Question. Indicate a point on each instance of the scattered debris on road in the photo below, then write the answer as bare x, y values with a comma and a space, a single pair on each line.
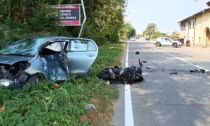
173, 73
148, 68
198, 71
137, 52
194, 71
208, 72
202, 71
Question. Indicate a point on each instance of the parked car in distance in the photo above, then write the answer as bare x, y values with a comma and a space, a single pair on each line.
165, 41
51, 58
147, 38
133, 39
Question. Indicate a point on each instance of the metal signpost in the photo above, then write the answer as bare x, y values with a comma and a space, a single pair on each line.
83, 8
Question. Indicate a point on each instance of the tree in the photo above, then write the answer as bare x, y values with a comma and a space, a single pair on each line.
150, 30
127, 31
157, 34
19, 18
174, 35
105, 20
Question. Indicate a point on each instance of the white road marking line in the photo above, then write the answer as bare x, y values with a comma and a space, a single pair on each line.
128, 102
182, 60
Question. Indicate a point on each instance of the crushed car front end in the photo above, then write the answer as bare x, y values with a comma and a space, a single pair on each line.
11, 68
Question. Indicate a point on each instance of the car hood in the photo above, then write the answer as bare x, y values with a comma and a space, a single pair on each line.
9, 59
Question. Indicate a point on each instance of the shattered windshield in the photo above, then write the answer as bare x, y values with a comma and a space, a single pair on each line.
27, 47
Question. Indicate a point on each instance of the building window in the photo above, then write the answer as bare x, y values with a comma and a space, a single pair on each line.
182, 26
193, 24
189, 25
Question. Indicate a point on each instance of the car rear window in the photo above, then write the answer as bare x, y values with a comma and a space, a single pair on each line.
81, 46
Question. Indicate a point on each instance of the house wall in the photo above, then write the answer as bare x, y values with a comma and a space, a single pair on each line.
187, 32
201, 30
197, 29
191, 31
182, 30
181, 34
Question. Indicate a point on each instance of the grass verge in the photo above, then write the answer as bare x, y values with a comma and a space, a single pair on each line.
63, 104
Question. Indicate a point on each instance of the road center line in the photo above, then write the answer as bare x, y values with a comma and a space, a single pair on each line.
128, 101
182, 60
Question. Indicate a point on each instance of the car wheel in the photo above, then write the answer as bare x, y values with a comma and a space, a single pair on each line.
175, 45
35, 78
158, 44
22, 79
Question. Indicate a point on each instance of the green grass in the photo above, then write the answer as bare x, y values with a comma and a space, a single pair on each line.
47, 104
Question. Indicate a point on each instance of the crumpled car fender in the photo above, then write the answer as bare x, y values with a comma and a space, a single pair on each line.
37, 67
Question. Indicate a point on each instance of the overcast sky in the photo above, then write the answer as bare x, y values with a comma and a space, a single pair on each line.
164, 13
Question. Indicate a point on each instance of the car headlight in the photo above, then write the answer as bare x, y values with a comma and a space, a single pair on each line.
5, 82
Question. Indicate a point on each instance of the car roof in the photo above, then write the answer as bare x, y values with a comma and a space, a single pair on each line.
164, 37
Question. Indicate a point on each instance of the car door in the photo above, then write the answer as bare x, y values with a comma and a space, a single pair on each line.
81, 54
168, 41
54, 60
163, 41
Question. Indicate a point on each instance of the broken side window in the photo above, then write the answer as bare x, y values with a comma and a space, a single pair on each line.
52, 48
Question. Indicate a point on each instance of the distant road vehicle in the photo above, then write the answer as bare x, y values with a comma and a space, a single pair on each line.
133, 39
147, 38
164, 41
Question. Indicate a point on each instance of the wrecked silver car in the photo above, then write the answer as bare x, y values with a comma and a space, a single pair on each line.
50, 58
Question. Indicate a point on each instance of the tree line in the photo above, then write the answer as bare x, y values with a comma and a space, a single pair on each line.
26, 18
152, 32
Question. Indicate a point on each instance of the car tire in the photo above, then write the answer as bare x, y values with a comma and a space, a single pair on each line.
158, 44
35, 78
22, 79
175, 45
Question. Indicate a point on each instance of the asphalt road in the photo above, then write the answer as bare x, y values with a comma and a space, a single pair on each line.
173, 92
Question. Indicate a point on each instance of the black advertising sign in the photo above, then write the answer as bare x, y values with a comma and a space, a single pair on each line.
69, 15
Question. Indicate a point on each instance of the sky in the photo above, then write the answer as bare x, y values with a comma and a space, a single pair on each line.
164, 13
